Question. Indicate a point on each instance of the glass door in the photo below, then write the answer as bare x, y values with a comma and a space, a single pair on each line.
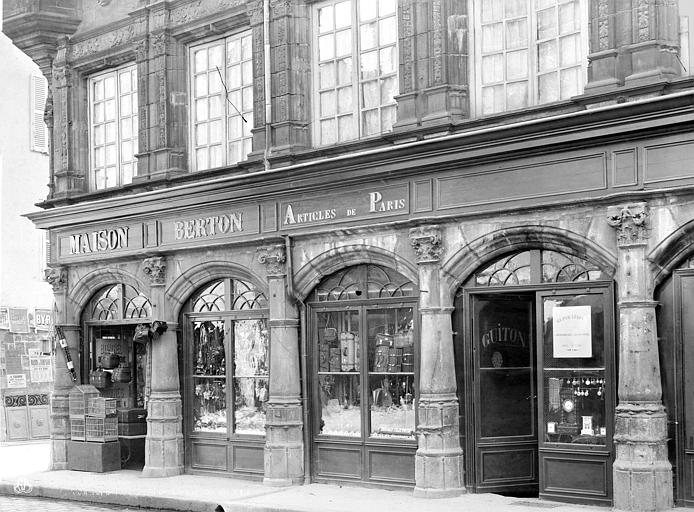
504, 393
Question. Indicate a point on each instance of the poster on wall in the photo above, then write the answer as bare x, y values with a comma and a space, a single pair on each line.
16, 381
43, 319
4, 318
41, 369
19, 320
572, 336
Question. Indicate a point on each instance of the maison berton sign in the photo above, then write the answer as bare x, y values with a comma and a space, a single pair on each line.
221, 223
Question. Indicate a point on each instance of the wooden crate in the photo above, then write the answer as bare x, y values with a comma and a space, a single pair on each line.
101, 430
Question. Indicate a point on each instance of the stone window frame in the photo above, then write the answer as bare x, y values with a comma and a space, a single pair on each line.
133, 117
532, 73
231, 108
81, 69
357, 108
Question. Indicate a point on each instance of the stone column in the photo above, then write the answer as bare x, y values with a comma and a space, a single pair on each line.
284, 446
642, 473
62, 380
163, 101
439, 463
164, 442
434, 61
655, 42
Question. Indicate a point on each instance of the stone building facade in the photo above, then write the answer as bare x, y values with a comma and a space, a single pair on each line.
439, 270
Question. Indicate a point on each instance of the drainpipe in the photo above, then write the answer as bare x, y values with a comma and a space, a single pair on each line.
267, 83
304, 357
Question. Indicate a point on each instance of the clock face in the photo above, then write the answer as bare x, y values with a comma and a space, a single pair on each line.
568, 405
497, 359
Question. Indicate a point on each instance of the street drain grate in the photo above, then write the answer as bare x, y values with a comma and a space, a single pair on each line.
535, 504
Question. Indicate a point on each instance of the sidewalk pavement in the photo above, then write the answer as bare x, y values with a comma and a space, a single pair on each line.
196, 493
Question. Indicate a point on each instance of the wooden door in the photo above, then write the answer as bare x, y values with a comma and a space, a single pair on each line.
505, 411
685, 448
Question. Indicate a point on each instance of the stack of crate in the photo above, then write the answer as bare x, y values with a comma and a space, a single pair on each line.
101, 423
94, 431
78, 402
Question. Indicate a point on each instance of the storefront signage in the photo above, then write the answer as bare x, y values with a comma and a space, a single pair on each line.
19, 320
43, 318
381, 202
4, 318
572, 332
102, 240
210, 225
16, 381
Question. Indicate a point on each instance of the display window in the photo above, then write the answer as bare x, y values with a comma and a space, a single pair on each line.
228, 359
365, 343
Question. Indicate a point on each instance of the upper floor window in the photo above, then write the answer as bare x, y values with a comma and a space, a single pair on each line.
222, 106
528, 52
39, 131
113, 127
356, 81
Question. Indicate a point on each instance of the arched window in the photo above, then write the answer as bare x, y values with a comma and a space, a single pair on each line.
364, 282
538, 266
227, 346
119, 302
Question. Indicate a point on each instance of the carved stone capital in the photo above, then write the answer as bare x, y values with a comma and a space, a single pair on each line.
426, 241
155, 268
254, 8
273, 257
56, 277
631, 223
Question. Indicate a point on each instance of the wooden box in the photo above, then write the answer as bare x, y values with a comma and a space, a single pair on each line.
94, 457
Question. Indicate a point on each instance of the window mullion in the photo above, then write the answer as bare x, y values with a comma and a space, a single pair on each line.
225, 102
119, 136
533, 48
356, 66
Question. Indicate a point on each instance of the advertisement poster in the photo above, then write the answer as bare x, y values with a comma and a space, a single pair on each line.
572, 332
43, 319
16, 381
41, 369
4, 318
19, 320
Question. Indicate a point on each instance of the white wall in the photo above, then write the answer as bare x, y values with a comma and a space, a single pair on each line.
23, 179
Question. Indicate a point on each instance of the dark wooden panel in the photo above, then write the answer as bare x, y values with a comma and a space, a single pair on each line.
391, 466
339, 461
668, 161
565, 475
38, 422
209, 455
423, 196
529, 181
624, 168
501, 465
248, 458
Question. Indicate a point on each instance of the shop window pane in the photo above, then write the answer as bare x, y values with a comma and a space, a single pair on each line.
98, 90
215, 58
344, 71
327, 75
326, 47
492, 69
328, 103
343, 43
492, 37
200, 58
492, 10
109, 86
386, 7
388, 60
340, 402
547, 57
343, 14
546, 23
370, 94
328, 131
387, 31
347, 128
569, 18
325, 19
369, 65
517, 65
515, 8
125, 131
233, 51
344, 101
234, 74
569, 50
209, 405
125, 106
201, 159
215, 83
570, 82
246, 47
249, 407
201, 110
575, 406
392, 411
371, 123
507, 408
517, 34
98, 113
368, 9
215, 156
110, 131
209, 356
493, 99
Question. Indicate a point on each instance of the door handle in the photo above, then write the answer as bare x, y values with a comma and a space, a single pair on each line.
531, 396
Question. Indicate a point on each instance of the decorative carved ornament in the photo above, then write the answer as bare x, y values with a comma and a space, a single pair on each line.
631, 223
426, 241
155, 268
273, 257
603, 25
642, 17
56, 277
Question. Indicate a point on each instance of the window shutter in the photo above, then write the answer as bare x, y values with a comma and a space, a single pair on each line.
39, 131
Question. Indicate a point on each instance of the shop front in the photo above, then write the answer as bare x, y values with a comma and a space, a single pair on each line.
535, 372
364, 328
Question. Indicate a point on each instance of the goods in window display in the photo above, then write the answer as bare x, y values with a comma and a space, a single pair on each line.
324, 357
408, 359
392, 409
335, 360
249, 420
108, 361
575, 409
394, 360
348, 351
100, 378
403, 340
122, 373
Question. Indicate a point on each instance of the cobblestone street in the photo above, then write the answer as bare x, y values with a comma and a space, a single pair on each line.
24, 504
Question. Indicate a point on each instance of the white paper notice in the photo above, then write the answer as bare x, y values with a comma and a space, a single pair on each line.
572, 331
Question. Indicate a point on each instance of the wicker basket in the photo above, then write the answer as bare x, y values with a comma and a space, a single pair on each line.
101, 430
101, 407
77, 429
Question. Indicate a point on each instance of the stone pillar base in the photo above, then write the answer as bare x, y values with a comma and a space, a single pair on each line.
284, 444
439, 462
642, 473
164, 442
60, 428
